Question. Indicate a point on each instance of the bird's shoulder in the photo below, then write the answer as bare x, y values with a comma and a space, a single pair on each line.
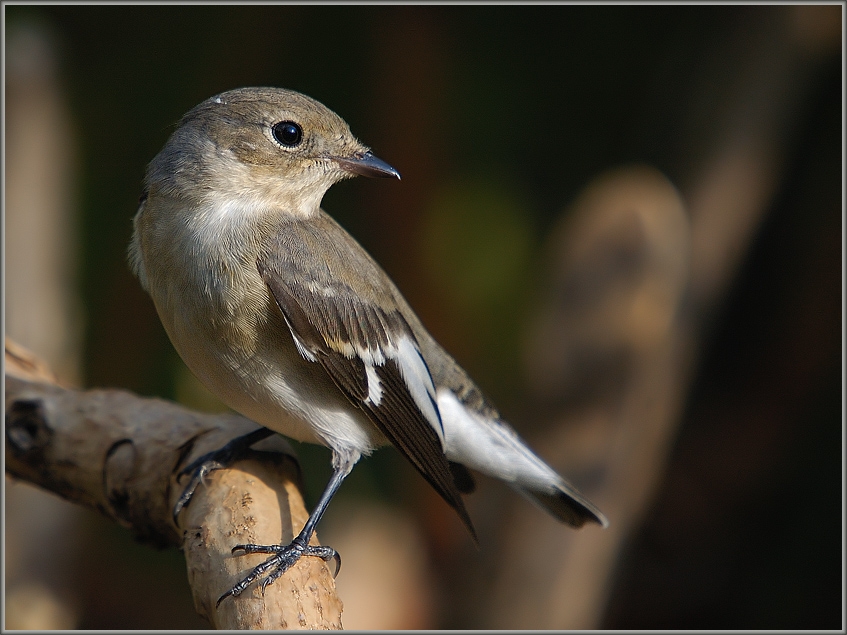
317, 248
346, 297
326, 268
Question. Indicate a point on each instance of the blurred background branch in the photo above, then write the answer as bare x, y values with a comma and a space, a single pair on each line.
624, 221
637, 280
43, 311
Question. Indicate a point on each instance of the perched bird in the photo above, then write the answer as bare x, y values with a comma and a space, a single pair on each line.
286, 318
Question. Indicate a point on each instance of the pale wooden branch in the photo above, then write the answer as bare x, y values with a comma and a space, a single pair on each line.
118, 453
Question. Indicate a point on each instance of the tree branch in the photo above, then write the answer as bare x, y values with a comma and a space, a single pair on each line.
118, 453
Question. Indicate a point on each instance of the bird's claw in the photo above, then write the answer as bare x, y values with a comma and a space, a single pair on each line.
198, 469
283, 558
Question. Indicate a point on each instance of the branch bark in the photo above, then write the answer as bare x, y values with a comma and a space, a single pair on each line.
118, 453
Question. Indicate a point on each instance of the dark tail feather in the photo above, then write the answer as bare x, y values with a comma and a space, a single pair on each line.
567, 506
462, 478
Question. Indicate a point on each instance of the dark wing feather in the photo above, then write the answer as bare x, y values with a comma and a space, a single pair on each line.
337, 321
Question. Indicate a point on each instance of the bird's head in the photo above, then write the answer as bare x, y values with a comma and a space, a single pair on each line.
261, 146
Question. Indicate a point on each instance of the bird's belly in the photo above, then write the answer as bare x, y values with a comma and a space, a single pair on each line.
250, 362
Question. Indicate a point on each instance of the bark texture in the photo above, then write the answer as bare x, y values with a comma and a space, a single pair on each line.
120, 454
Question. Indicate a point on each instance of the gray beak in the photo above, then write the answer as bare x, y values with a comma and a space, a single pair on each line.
366, 164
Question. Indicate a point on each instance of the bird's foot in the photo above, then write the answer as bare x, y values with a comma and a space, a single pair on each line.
284, 557
223, 457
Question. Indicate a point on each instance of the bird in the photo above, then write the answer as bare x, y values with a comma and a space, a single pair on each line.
282, 315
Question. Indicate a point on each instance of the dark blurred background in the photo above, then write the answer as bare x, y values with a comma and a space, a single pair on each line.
624, 221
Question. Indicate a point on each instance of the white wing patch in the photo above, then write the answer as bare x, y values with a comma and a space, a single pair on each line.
374, 385
414, 372
419, 382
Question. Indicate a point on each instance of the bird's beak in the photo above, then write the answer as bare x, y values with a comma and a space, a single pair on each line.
366, 164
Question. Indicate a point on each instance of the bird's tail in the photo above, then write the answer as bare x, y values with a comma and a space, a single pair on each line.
492, 447
565, 503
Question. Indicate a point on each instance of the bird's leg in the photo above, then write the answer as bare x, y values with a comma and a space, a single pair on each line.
284, 556
236, 449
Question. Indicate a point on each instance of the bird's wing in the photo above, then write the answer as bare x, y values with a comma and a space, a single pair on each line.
339, 306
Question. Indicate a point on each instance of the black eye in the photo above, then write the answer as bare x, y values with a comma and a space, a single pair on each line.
288, 133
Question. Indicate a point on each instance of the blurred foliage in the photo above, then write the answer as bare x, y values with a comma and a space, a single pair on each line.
478, 243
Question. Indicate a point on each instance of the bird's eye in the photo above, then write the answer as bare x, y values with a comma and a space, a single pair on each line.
288, 133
